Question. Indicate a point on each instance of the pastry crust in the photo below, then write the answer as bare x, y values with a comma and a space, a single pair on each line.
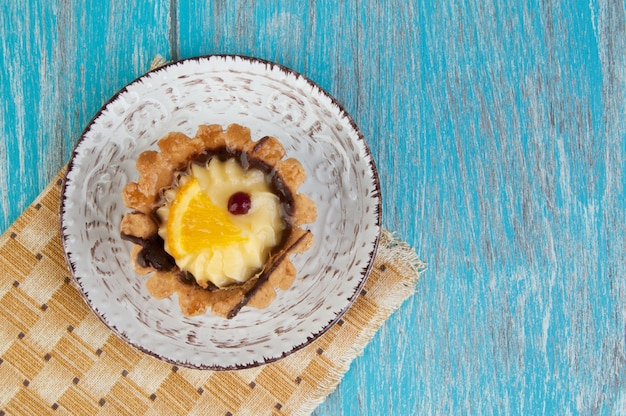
158, 171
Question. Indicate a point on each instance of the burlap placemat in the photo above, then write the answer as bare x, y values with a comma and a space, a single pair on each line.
57, 357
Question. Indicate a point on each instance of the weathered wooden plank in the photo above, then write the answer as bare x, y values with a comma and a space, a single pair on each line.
500, 137
514, 207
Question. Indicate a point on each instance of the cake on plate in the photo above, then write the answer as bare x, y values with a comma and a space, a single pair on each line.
215, 219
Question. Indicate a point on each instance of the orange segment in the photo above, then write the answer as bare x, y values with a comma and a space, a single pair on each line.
195, 223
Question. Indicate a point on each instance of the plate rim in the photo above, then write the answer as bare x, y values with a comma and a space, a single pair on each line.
364, 274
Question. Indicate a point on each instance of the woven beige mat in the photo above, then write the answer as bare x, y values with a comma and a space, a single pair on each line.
57, 357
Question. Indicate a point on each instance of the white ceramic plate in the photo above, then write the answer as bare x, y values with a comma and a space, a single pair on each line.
270, 100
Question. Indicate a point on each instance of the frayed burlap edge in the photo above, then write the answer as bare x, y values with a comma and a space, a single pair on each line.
404, 259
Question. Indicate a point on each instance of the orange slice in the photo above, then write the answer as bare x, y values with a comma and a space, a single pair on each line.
195, 223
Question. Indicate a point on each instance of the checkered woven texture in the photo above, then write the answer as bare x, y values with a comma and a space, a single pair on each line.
57, 357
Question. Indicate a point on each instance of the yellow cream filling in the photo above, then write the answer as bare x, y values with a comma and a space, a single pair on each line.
208, 241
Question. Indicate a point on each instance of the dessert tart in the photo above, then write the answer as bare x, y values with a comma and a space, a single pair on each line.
215, 218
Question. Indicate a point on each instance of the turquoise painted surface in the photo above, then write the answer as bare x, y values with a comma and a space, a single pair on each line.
499, 131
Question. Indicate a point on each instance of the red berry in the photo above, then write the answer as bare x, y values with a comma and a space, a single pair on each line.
239, 203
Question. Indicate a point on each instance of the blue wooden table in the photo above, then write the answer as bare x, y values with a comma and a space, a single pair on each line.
499, 133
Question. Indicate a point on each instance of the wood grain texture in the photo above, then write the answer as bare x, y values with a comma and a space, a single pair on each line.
61, 61
499, 131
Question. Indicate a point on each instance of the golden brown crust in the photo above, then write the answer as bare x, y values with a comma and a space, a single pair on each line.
292, 173
135, 199
284, 275
157, 169
305, 211
264, 295
138, 224
268, 150
176, 148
